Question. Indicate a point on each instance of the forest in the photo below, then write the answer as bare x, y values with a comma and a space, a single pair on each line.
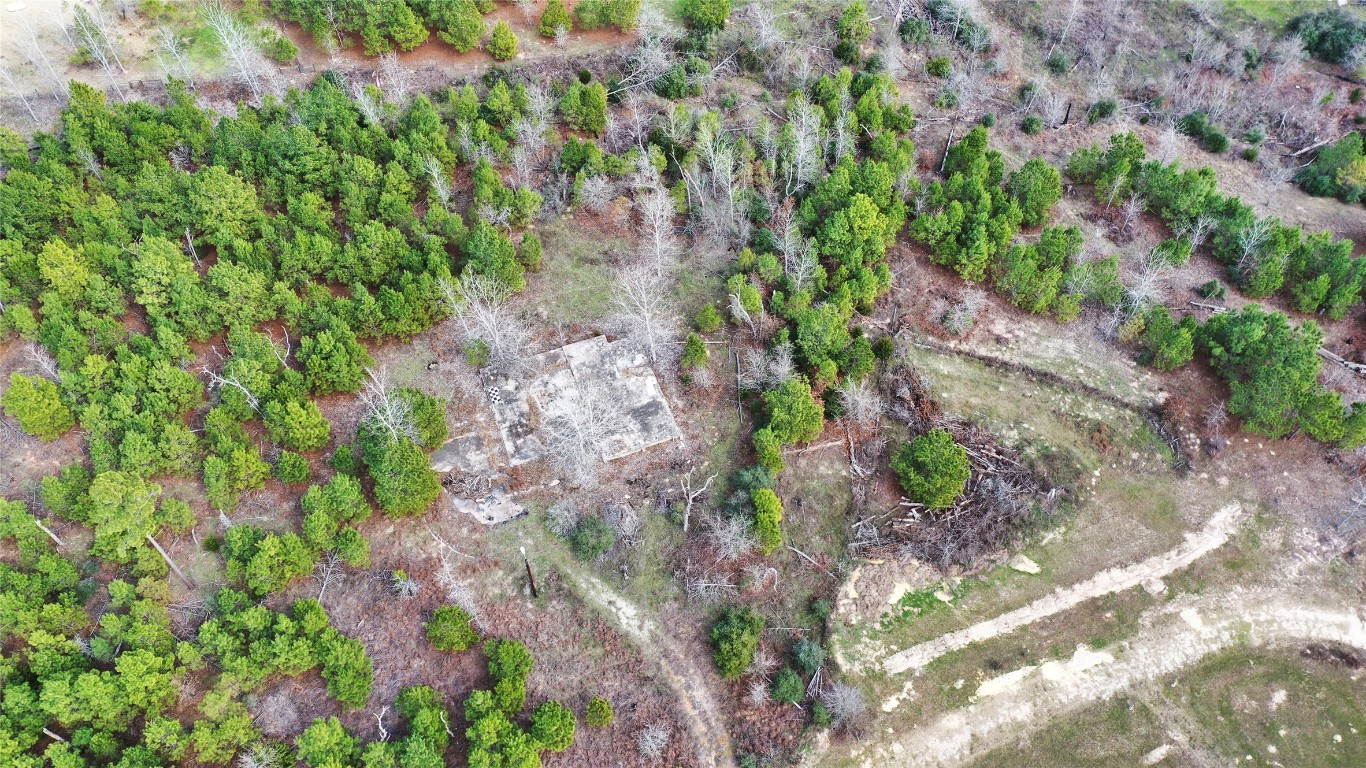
193, 295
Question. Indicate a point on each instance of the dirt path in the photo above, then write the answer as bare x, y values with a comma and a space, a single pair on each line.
1028, 698
705, 723
1210, 537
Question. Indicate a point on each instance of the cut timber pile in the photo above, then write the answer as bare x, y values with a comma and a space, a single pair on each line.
1001, 494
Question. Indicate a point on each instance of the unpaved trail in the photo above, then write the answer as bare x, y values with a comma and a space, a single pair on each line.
705, 723
1214, 534
1027, 699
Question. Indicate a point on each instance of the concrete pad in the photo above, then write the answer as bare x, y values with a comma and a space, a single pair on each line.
497, 507
466, 453
612, 371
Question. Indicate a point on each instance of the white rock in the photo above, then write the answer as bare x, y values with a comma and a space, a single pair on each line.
1024, 565
1156, 756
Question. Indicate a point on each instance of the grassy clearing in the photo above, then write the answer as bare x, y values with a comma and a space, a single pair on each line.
577, 280
1128, 504
1224, 707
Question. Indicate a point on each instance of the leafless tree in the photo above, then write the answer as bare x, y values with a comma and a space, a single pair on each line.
844, 702
94, 34
329, 567
1250, 241
763, 370
576, 435
41, 361
384, 408
1148, 286
482, 308
862, 403
691, 494
528, 9
441, 181
800, 147
36, 53
757, 693
1133, 208
562, 518
659, 247
1353, 521
261, 755
1168, 144
1287, 58
730, 536
1053, 107
644, 313
764, 663
393, 78
238, 46
597, 192
622, 519
1199, 229
958, 317
14, 86
652, 740
218, 381
561, 36
173, 55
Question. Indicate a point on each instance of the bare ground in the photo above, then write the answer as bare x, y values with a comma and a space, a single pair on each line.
1212, 536
1186, 631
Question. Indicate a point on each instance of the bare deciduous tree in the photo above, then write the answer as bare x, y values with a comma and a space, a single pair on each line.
731, 537
658, 245
384, 408
597, 192
173, 55
482, 308
644, 313
562, 518
244, 58
862, 403
800, 146
652, 740
578, 432
763, 370
441, 181
844, 702
97, 40
393, 78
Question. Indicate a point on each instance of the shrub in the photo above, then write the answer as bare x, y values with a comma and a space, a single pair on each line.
1101, 110
1354, 96
529, 251
584, 107
592, 538
1168, 345
1250, 154
768, 451
1216, 142
1213, 290
1329, 35
1032, 125
596, 14
735, 638
809, 655
1037, 187
451, 629
708, 319
794, 414
914, 31
552, 726
768, 517
933, 468
503, 42
989, 120
599, 714
694, 352
1058, 64
938, 66
291, 468
554, 17
37, 405
787, 687
706, 15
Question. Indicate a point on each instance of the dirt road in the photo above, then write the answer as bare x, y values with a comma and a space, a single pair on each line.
1211, 536
705, 723
1185, 632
